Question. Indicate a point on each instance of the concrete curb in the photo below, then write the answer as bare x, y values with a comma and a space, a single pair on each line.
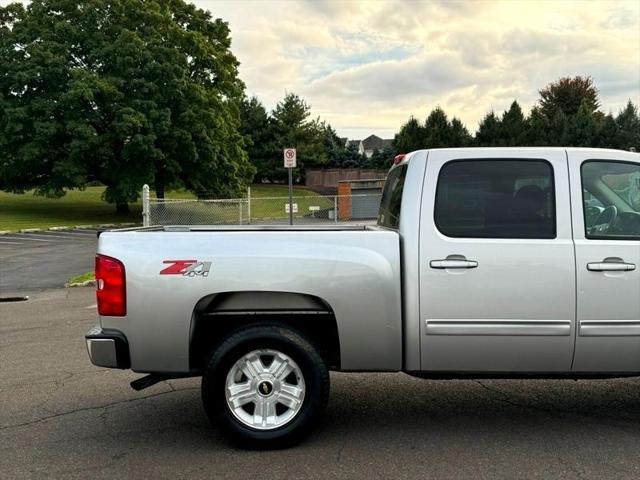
76, 227
88, 283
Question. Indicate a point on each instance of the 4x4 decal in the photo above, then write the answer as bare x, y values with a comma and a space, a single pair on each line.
187, 268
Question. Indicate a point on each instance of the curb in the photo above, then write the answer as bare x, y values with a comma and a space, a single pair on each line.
77, 227
88, 283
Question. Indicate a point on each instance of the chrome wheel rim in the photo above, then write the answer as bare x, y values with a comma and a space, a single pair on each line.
265, 389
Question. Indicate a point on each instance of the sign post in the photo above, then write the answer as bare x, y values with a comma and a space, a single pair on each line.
290, 164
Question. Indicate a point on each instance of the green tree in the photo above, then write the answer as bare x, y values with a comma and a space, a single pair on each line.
582, 128
257, 132
489, 131
293, 128
410, 137
352, 157
120, 91
536, 131
437, 130
628, 123
557, 132
512, 127
567, 94
334, 147
459, 135
382, 160
607, 135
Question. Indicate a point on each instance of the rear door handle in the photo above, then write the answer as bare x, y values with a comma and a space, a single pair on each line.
611, 265
449, 263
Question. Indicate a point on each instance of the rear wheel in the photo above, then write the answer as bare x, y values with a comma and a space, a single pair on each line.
265, 386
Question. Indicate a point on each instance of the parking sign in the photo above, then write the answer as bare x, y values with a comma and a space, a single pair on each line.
289, 158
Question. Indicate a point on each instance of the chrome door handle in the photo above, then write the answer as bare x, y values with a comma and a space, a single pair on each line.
610, 266
450, 263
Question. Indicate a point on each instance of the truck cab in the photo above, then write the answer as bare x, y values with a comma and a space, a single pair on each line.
519, 260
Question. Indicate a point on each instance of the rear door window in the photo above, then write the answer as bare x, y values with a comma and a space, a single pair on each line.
496, 199
390, 205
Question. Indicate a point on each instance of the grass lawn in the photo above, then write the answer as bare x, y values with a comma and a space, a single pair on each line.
86, 207
83, 277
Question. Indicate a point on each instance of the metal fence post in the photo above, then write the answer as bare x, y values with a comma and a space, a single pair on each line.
146, 218
249, 205
335, 209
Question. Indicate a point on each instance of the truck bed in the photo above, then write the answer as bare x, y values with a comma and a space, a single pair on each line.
354, 270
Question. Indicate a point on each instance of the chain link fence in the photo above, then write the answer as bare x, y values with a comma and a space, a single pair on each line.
307, 210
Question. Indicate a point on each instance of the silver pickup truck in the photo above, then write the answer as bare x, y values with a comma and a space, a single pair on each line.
503, 262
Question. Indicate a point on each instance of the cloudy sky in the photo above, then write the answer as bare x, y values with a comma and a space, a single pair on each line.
365, 66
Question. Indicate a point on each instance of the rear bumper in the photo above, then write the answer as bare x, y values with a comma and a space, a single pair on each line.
108, 348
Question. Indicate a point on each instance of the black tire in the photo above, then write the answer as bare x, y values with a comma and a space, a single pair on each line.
287, 341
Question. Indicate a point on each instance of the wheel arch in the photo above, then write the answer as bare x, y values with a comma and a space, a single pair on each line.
218, 314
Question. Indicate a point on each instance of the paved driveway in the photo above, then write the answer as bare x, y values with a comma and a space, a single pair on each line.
60, 417
31, 261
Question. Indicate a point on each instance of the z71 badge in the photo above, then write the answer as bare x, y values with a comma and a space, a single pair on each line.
186, 268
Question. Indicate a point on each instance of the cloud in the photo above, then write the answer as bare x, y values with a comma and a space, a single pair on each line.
366, 66
369, 65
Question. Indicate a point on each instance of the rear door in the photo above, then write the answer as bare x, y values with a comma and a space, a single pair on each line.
497, 271
605, 191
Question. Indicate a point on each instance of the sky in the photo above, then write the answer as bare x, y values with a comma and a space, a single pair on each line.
366, 66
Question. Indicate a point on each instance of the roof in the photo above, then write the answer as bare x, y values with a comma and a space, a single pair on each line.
373, 142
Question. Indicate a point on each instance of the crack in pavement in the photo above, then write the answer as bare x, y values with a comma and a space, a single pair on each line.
506, 398
56, 382
98, 407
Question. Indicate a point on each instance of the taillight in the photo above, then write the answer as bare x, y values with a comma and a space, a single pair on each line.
398, 158
110, 287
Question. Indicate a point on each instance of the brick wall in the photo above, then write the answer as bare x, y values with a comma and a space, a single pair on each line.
344, 201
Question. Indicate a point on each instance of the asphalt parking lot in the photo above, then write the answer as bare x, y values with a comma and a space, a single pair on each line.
36, 260
60, 417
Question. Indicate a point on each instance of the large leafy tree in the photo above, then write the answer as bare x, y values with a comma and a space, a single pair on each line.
119, 91
567, 95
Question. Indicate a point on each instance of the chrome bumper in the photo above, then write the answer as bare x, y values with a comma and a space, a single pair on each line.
108, 348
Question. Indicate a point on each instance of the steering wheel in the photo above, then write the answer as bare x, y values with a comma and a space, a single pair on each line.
605, 220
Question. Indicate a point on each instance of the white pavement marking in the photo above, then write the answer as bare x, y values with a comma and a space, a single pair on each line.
2, 242
91, 306
80, 232
39, 235
58, 233
29, 239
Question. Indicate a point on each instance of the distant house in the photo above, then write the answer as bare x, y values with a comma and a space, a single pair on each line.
368, 145
372, 143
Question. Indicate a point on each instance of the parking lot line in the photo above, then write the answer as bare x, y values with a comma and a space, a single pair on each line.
13, 237
39, 235
79, 232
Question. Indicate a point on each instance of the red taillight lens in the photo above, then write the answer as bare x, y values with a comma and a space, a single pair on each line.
398, 158
110, 287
